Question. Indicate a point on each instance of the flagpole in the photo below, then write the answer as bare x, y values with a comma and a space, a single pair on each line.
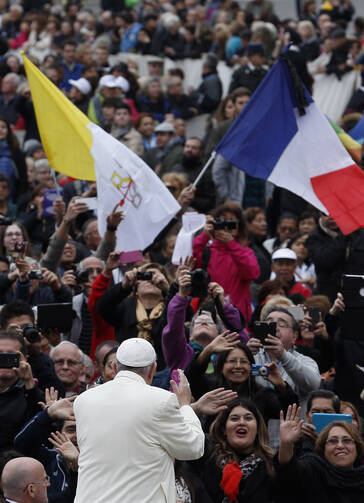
202, 172
55, 182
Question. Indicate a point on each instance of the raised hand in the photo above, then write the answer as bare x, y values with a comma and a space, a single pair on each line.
224, 342
182, 391
113, 261
184, 282
214, 401
66, 448
51, 396
291, 425
62, 409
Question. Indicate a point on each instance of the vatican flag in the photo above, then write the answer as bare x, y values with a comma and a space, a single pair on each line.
80, 149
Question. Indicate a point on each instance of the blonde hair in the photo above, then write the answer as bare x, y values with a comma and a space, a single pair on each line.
276, 300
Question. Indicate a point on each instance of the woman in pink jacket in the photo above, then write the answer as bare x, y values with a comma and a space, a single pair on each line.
222, 248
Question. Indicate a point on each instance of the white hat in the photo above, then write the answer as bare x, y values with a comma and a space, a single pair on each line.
107, 81
122, 83
286, 253
82, 85
164, 127
136, 353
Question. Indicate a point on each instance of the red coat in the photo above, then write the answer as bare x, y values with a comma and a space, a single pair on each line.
101, 330
232, 266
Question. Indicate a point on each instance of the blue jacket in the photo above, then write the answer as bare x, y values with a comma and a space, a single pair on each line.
31, 442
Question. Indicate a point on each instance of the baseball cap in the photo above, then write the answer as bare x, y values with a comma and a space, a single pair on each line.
81, 84
286, 253
164, 127
136, 352
108, 81
122, 83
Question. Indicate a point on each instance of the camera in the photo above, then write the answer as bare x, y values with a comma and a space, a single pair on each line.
9, 360
259, 371
264, 328
221, 224
200, 280
144, 275
19, 247
31, 333
38, 274
82, 276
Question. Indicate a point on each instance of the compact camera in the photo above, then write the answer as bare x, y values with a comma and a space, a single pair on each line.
221, 224
144, 275
38, 274
259, 371
200, 280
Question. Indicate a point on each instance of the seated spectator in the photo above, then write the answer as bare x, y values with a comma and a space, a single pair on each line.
72, 70
233, 44
251, 74
145, 126
105, 90
130, 29
43, 173
230, 263
19, 394
167, 41
140, 314
310, 46
8, 99
123, 130
67, 359
236, 464
169, 149
286, 228
284, 264
177, 102
61, 458
299, 371
150, 99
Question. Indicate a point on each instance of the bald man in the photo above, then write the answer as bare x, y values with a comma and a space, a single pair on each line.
24, 480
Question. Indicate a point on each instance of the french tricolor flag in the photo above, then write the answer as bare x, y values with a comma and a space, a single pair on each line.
301, 153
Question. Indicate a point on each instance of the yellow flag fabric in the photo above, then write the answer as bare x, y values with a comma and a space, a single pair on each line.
62, 126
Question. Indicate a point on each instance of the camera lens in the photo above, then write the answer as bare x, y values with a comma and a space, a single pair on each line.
263, 371
30, 333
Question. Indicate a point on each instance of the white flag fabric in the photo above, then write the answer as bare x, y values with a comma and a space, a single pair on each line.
123, 178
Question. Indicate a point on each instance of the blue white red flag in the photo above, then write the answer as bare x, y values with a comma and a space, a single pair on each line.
301, 153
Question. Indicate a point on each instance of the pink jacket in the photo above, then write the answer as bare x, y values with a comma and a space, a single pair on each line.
232, 266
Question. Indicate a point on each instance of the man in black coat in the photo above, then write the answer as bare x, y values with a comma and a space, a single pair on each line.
250, 75
208, 95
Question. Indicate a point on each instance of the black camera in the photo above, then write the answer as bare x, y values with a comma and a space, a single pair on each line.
200, 280
31, 333
82, 276
19, 247
144, 275
38, 274
221, 224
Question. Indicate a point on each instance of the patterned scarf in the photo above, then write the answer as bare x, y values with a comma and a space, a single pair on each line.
232, 474
145, 324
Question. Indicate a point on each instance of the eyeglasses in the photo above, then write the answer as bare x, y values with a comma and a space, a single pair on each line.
70, 363
334, 441
204, 322
45, 481
236, 361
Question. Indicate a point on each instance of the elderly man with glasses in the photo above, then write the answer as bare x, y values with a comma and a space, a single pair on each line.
299, 371
67, 359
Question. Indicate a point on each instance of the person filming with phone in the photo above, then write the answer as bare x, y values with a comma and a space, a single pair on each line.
138, 314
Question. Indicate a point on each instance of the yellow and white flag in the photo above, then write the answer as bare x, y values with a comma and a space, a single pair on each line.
78, 148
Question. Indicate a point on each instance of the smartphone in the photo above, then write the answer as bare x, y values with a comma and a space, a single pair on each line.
297, 312
264, 328
50, 195
314, 312
321, 420
175, 377
131, 256
9, 360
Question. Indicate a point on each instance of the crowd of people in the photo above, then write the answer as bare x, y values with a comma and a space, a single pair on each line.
151, 381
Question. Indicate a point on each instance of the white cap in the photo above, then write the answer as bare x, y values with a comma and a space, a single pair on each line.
286, 253
82, 85
122, 83
108, 81
164, 127
136, 353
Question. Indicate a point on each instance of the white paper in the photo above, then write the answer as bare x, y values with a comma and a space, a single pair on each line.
90, 201
191, 223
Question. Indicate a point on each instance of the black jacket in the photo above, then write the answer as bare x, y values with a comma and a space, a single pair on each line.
248, 77
17, 406
119, 310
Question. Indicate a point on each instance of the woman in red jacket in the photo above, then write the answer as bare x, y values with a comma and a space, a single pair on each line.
221, 248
